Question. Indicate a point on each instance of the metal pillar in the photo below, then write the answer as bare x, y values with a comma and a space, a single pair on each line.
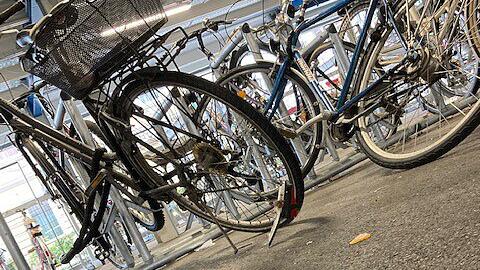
343, 66
12, 245
339, 52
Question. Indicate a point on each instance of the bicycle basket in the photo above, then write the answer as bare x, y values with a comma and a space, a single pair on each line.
84, 38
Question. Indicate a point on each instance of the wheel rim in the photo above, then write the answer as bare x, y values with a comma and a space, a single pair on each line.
211, 183
419, 131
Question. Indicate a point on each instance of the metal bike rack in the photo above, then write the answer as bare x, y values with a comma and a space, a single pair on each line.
253, 47
67, 105
119, 204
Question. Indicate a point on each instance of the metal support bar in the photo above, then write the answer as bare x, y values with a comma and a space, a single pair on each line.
229, 204
123, 249
12, 245
339, 52
59, 116
131, 227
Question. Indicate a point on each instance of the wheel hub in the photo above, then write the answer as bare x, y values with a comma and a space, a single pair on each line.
425, 65
210, 158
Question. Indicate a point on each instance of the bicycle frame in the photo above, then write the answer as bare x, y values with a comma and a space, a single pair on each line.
22, 122
295, 55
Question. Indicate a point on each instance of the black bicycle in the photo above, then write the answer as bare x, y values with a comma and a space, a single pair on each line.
226, 166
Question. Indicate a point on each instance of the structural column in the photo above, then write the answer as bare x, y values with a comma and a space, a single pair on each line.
12, 245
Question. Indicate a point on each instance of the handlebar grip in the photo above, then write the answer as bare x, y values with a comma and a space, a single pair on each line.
9, 12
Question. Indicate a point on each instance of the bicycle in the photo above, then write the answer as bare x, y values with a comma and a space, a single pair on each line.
77, 173
243, 44
379, 105
45, 256
115, 84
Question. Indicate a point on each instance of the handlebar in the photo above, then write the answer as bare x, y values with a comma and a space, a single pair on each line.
213, 25
197, 34
12, 10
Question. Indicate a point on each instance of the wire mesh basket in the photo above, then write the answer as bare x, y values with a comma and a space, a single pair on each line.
84, 40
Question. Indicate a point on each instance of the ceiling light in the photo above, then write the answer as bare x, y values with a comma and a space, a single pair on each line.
176, 10
153, 18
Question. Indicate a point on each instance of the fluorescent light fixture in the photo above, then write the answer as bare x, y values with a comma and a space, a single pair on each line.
153, 18
176, 10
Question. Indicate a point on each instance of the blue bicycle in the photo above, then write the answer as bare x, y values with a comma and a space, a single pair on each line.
409, 54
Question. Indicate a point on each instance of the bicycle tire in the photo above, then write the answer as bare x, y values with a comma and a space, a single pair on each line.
447, 142
350, 12
473, 24
295, 191
327, 45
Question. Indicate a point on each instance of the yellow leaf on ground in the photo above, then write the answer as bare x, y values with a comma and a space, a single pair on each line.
360, 238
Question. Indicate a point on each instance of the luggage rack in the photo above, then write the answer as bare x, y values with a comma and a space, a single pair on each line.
154, 54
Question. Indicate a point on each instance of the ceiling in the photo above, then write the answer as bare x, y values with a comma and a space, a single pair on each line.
17, 80
191, 59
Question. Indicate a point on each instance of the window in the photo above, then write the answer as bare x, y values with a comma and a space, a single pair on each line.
44, 216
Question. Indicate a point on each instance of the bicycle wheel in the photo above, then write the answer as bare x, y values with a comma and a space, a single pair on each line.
299, 104
473, 24
353, 21
419, 136
235, 164
325, 62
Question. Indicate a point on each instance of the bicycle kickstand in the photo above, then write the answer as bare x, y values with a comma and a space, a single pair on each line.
235, 249
278, 207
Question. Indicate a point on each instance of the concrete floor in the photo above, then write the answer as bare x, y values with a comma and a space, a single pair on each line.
424, 218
